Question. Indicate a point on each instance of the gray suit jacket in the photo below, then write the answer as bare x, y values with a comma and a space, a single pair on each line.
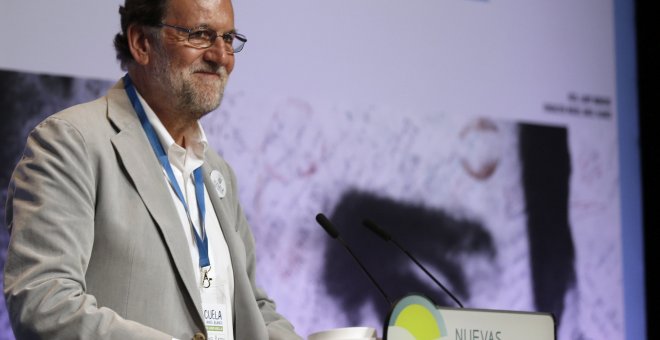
97, 250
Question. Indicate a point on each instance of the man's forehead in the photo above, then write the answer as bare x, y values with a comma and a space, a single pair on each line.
200, 12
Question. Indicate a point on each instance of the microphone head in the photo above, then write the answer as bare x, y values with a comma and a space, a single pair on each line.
325, 223
380, 232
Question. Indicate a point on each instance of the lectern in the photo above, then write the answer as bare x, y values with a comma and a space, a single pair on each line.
415, 317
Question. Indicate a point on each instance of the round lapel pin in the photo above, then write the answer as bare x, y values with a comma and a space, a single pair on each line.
219, 183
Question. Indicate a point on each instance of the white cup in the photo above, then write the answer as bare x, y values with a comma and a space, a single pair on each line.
345, 333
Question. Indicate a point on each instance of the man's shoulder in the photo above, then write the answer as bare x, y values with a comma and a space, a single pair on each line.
83, 112
93, 117
95, 109
87, 119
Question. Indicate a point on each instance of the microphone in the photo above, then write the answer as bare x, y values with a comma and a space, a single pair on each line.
385, 236
330, 229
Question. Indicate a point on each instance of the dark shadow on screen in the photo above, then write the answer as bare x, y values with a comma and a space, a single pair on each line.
431, 235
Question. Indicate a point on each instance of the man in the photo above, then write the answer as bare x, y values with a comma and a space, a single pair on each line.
123, 224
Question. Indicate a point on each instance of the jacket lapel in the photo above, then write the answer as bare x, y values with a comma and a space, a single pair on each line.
145, 171
246, 315
222, 211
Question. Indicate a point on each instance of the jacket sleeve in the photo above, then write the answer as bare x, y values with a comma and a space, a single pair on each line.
50, 215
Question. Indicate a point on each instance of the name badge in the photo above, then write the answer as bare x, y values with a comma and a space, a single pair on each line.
214, 307
215, 320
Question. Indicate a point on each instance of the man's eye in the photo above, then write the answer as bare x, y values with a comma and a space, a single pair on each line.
228, 37
201, 35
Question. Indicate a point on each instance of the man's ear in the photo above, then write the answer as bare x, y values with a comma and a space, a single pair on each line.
138, 43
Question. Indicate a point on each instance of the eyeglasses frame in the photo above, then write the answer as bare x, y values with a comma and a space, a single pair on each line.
212, 34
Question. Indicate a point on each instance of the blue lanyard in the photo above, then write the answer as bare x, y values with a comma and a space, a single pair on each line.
202, 241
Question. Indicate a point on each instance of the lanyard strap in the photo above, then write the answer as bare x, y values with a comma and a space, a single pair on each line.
201, 241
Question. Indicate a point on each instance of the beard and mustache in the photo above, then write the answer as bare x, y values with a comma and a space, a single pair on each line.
191, 96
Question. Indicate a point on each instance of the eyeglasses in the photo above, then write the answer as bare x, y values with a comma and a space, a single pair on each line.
205, 38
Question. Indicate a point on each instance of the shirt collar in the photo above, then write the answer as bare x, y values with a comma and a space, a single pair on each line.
185, 160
